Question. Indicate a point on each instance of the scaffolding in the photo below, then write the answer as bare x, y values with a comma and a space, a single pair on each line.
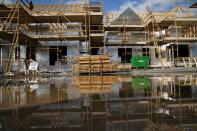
85, 22
57, 23
78, 19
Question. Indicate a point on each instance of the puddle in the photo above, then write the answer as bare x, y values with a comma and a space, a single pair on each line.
100, 103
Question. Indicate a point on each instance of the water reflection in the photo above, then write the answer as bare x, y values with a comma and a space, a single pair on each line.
100, 103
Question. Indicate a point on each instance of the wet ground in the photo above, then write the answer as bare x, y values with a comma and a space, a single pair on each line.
99, 103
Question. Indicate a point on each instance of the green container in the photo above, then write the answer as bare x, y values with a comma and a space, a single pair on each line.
140, 61
141, 83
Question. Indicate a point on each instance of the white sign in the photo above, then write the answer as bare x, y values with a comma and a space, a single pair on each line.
33, 65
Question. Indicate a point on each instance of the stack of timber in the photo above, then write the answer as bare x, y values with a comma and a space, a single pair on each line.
96, 84
95, 64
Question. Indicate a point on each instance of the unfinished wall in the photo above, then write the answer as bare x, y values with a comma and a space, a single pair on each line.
72, 52
18, 64
156, 61
153, 59
5, 51
172, 31
137, 51
42, 57
113, 51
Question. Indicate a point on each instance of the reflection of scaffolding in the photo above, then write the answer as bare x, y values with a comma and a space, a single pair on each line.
148, 107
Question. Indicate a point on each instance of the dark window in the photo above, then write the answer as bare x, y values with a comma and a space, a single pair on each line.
94, 51
17, 53
125, 54
183, 50
62, 52
146, 51
53, 55
31, 53
56, 53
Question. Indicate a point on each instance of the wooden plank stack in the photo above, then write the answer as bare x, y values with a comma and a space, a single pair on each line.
95, 64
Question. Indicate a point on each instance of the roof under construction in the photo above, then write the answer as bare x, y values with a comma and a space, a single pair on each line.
127, 17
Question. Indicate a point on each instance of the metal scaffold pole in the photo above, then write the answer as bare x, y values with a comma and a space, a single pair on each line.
155, 27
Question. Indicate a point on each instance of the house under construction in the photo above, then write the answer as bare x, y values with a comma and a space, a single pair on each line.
80, 37
84, 54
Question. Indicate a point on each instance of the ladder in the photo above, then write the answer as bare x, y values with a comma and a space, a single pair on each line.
155, 27
13, 12
11, 52
9, 19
